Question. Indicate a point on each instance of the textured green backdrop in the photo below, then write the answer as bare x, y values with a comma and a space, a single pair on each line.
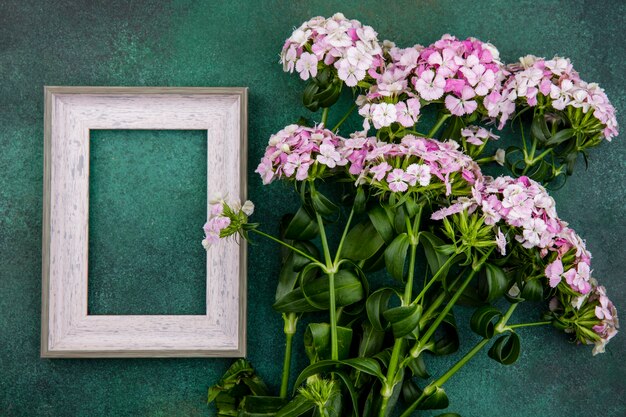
236, 43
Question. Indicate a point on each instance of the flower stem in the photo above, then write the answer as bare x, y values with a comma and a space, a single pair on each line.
435, 277
344, 118
433, 386
290, 329
433, 327
387, 388
440, 121
330, 270
343, 236
325, 115
538, 323
287, 245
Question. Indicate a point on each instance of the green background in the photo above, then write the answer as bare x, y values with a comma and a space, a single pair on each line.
236, 43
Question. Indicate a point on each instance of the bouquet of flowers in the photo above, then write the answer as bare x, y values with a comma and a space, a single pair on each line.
408, 203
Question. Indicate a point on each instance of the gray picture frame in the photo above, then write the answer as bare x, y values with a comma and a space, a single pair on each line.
67, 330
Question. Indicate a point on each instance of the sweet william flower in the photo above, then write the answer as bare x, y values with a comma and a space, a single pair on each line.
398, 180
459, 106
430, 86
383, 114
307, 66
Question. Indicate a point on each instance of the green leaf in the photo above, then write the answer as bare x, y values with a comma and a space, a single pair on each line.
348, 290
289, 273
317, 343
360, 200
410, 391
362, 242
256, 406
418, 367
395, 256
371, 340
536, 129
239, 381
560, 137
366, 365
436, 401
376, 304
532, 290
493, 283
484, 319
301, 226
404, 320
354, 396
435, 258
322, 204
241, 370
448, 343
382, 223
506, 349
296, 407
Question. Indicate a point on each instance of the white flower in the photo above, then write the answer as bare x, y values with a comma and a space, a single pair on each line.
384, 114
419, 174
307, 66
499, 156
248, 208
349, 73
501, 242
205, 244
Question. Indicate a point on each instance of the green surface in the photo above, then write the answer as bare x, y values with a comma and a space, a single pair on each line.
186, 43
147, 192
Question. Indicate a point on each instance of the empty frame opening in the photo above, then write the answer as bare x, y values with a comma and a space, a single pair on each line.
147, 205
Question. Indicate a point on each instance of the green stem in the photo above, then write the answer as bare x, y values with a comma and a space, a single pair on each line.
344, 118
442, 118
387, 388
343, 236
287, 245
290, 330
284, 386
433, 386
330, 270
538, 323
435, 277
325, 115
433, 327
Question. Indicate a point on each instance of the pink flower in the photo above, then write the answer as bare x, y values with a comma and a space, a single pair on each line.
383, 114
398, 180
418, 174
307, 66
501, 242
430, 86
554, 271
380, 170
408, 112
463, 105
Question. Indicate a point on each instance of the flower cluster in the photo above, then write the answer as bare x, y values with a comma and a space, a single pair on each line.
349, 46
520, 203
412, 164
465, 71
225, 218
591, 317
556, 85
524, 206
296, 151
572, 262
477, 135
461, 73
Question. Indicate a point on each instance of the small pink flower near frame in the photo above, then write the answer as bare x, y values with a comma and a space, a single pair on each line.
67, 329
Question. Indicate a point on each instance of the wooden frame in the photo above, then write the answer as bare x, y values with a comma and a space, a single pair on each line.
67, 330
